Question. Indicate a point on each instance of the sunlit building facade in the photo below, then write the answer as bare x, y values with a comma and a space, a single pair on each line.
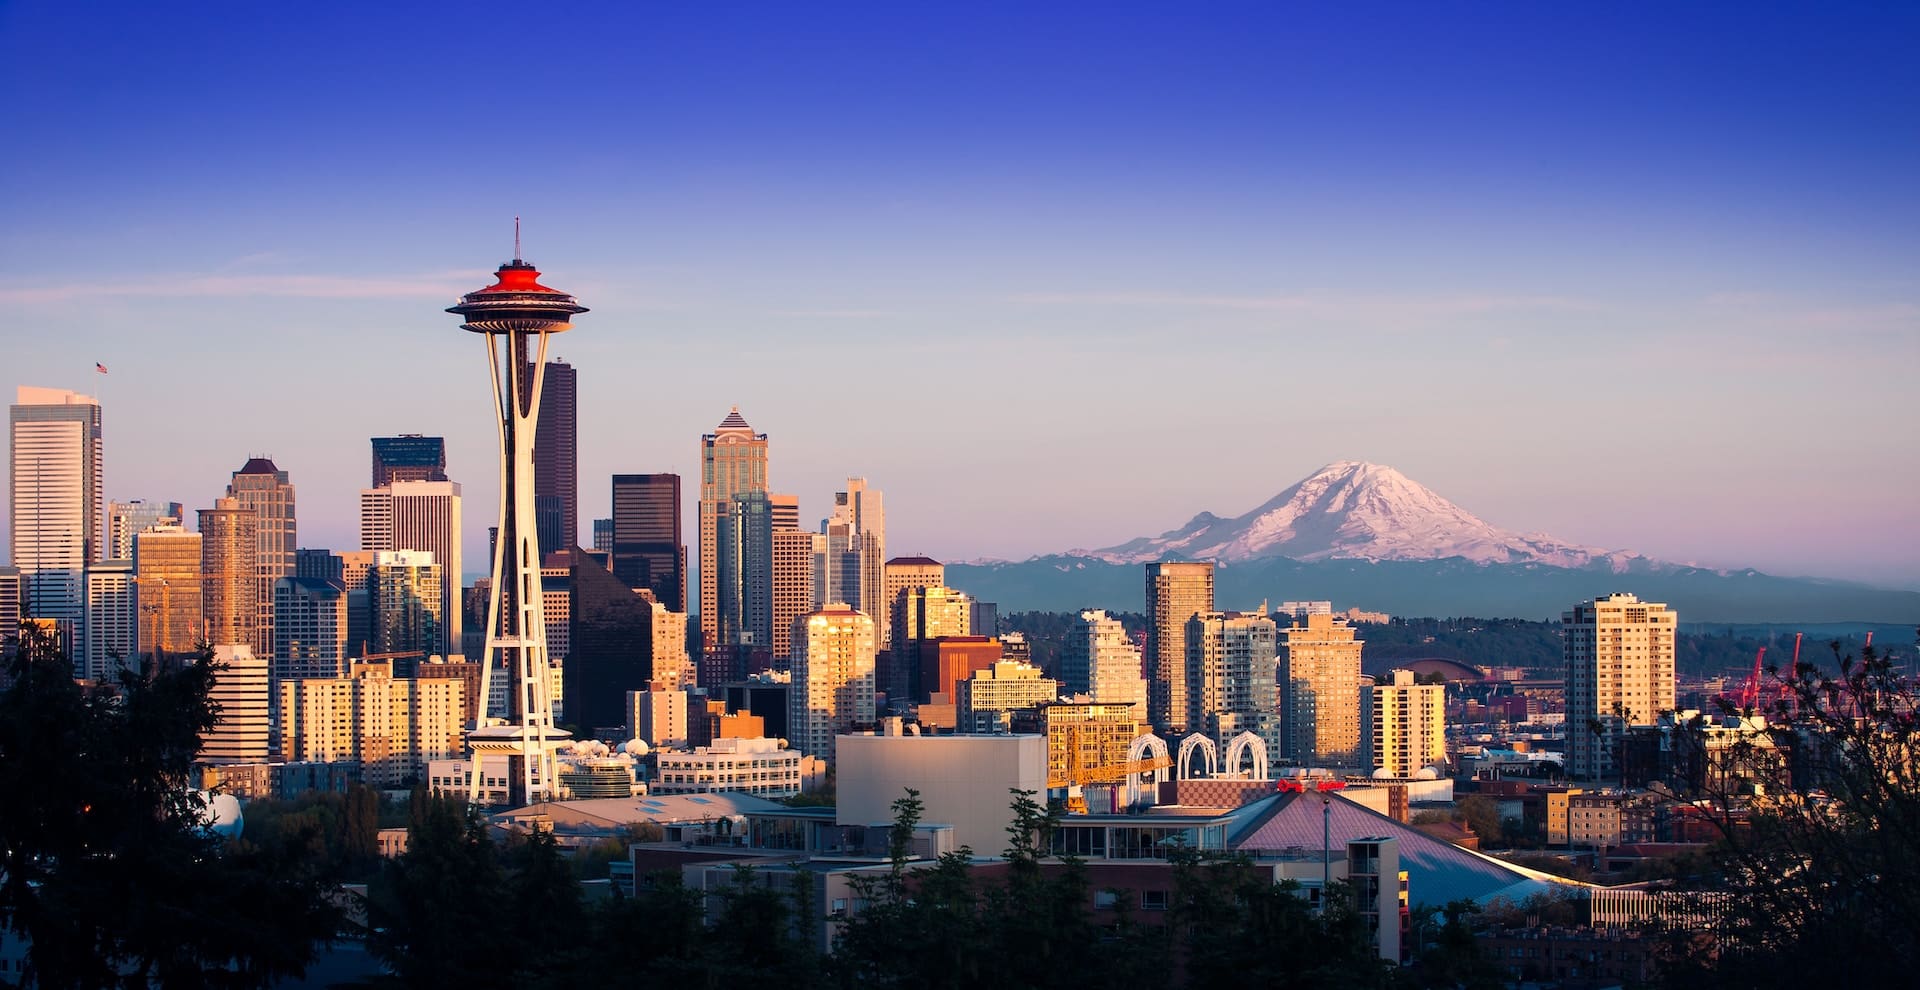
832, 689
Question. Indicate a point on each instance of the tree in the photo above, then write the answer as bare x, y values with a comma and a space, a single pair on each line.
107, 862
1819, 877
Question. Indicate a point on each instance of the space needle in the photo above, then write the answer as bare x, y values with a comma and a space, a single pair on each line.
516, 315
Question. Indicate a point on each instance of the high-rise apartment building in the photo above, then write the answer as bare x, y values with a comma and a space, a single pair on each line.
855, 567
139, 515
1320, 692
408, 457
59, 516
406, 604
265, 490
1232, 675
733, 461
556, 458
229, 577
832, 689
1619, 653
648, 551
1409, 724
241, 693
167, 592
310, 634
1176, 592
658, 714
112, 634
355, 565
1100, 661
420, 515
391, 725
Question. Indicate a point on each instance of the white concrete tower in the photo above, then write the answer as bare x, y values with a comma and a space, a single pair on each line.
516, 315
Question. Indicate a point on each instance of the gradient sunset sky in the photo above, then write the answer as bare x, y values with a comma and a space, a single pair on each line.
1051, 276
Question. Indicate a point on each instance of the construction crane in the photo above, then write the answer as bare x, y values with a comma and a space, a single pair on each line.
1077, 775
1785, 694
1750, 695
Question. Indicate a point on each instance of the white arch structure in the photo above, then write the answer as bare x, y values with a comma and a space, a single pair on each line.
1204, 745
1237, 750
1141, 747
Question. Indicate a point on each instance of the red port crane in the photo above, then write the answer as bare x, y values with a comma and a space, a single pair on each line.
1750, 695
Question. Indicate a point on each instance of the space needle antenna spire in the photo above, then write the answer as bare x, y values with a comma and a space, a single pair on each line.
515, 316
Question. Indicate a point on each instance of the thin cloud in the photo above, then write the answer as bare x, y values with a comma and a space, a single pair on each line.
1310, 303
212, 286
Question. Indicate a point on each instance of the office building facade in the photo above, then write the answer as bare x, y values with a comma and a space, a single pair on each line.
266, 491
59, 511
229, 577
733, 461
556, 458
1099, 660
832, 689
645, 538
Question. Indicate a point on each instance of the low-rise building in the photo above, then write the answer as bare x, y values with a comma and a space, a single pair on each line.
748, 766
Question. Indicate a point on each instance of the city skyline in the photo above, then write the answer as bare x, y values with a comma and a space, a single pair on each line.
1599, 224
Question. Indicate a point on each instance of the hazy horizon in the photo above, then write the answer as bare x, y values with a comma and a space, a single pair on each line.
1638, 278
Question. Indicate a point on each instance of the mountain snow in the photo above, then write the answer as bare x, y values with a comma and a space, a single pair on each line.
1355, 510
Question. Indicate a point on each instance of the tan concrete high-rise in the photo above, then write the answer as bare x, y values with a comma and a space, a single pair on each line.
266, 491
733, 461
242, 728
1409, 724
902, 573
832, 689
792, 572
1320, 690
857, 553
1176, 592
1101, 661
229, 579
393, 726
1232, 676
1619, 653
167, 592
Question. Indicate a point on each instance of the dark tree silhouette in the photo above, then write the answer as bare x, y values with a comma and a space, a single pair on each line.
108, 865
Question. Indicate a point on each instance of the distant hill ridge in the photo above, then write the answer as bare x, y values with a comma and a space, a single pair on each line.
1366, 535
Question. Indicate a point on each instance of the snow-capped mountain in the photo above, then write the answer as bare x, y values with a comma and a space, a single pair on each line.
1355, 510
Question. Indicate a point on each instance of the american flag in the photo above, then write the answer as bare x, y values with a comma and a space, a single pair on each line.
101, 368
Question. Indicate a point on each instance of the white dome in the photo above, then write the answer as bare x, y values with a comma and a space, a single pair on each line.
1427, 773
1382, 773
224, 809
637, 747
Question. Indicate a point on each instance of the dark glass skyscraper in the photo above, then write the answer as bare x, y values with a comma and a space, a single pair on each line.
556, 460
410, 457
611, 646
647, 549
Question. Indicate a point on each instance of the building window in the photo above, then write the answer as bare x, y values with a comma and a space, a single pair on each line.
1153, 900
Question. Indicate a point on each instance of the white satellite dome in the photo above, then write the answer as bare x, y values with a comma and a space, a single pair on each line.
637, 747
1427, 773
1382, 773
227, 820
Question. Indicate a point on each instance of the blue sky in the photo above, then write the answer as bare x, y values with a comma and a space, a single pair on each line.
1636, 276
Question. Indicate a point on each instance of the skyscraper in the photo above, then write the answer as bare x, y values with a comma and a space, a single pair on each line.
744, 546
405, 602
9, 608
127, 518
832, 688
648, 551
900, 574
264, 489
855, 568
229, 577
1232, 674
111, 634
408, 457
310, 628
1409, 724
925, 615
59, 509
1320, 690
610, 646
1175, 593
556, 457
1100, 661
733, 461
241, 693
420, 515
1619, 653
793, 594
166, 593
